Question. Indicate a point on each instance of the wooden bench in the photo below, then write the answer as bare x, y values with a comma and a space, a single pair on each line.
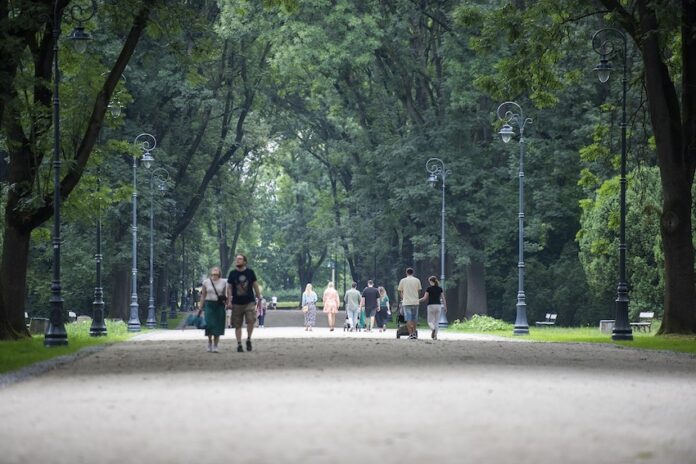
644, 322
549, 321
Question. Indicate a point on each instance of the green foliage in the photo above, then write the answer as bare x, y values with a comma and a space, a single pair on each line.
479, 323
598, 240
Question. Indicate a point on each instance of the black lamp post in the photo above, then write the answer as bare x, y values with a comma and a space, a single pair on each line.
55, 332
98, 327
436, 169
606, 48
511, 113
147, 143
162, 176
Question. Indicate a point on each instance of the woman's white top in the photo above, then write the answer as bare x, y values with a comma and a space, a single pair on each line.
220, 286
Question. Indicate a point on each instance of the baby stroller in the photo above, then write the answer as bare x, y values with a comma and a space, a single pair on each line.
401, 328
346, 324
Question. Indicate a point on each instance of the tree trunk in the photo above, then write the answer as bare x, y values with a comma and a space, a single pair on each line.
120, 298
476, 300
679, 315
13, 275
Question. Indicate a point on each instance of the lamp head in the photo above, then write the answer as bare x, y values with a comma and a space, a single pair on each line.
432, 180
506, 133
79, 38
603, 69
148, 160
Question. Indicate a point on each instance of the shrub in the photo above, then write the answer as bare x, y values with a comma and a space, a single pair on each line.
481, 324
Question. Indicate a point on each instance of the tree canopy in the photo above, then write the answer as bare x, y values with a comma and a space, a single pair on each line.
298, 132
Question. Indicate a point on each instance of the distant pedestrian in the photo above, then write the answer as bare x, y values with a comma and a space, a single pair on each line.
435, 298
331, 303
409, 289
309, 299
261, 307
213, 299
243, 291
351, 301
370, 303
383, 311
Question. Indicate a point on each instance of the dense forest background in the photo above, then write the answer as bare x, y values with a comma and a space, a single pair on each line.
297, 133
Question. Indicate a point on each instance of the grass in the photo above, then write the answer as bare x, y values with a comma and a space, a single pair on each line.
20, 353
173, 322
649, 341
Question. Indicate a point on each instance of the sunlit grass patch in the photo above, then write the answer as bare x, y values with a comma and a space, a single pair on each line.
492, 326
20, 353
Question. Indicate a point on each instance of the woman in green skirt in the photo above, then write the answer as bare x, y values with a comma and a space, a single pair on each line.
213, 298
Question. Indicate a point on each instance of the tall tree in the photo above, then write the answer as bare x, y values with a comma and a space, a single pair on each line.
25, 102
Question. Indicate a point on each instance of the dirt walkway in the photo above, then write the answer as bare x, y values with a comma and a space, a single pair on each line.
345, 398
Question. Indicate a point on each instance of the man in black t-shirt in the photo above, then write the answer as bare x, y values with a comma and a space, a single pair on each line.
370, 303
242, 294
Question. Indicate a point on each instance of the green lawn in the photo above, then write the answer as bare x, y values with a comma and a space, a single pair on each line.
650, 341
17, 354
173, 322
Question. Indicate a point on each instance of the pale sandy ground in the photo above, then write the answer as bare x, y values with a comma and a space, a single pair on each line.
354, 398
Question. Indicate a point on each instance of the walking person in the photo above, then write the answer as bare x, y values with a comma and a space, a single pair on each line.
370, 303
383, 311
261, 307
409, 289
242, 292
331, 304
309, 299
213, 300
435, 298
351, 301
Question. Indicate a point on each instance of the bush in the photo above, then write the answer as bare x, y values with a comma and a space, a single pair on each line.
481, 324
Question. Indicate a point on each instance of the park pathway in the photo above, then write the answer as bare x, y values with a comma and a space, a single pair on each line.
334, 397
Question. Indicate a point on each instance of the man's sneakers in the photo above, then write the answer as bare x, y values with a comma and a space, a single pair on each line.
240, 349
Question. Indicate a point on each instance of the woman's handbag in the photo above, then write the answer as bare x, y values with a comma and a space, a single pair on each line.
305, 309
221, 299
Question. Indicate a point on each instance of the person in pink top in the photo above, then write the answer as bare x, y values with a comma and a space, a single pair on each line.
331, 304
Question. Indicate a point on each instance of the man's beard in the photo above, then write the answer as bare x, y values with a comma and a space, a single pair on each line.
239, 266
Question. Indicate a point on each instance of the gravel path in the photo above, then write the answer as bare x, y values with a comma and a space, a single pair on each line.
336, 397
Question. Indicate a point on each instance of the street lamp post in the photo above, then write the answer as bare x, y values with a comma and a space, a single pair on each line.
98, 327
55, 334
147, 143
511, 113
602, 44
162, 176
436, 168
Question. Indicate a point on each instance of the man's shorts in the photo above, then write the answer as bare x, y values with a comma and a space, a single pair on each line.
411, 312
240, 312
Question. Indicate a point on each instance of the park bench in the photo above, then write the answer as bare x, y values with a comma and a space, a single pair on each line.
644, 321
549, 321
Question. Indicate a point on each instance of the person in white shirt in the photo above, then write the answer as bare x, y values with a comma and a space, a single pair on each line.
409, 292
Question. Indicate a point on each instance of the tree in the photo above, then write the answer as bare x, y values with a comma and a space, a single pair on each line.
25, 102
671, 94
